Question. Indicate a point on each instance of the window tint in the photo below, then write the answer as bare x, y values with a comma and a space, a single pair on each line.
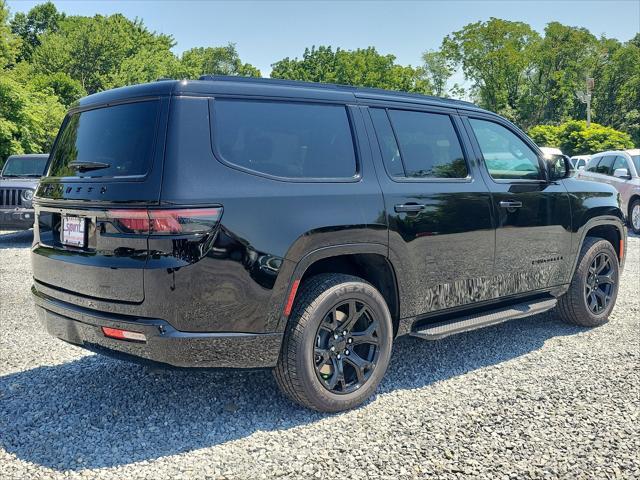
429, 145
292, 140
387, 141
593, 164
120, 136
604, 166
505, 154
636, 162
619, 162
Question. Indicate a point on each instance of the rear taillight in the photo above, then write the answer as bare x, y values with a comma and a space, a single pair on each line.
175, 221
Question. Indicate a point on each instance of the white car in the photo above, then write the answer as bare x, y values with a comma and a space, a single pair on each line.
620, 168
580, 161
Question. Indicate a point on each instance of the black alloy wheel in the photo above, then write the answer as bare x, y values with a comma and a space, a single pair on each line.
600, 284
346, 347
337, 344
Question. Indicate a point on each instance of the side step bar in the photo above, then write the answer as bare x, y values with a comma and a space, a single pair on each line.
467, 323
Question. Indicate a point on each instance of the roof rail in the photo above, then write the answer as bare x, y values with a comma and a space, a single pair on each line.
329, 86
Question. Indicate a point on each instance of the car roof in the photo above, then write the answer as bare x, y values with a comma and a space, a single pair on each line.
617, 152
256, 87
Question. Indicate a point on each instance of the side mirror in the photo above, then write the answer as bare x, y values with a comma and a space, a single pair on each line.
559, 167
622, 173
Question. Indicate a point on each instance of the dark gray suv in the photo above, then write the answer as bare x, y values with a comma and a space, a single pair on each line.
18, 181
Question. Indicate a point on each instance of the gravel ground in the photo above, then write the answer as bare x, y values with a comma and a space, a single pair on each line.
532, 398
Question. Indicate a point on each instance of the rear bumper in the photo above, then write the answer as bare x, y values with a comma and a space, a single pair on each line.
164, 344
21, 218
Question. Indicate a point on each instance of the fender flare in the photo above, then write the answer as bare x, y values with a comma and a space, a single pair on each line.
610, 220
320, 254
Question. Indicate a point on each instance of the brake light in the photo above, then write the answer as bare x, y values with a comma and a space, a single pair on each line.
166, 221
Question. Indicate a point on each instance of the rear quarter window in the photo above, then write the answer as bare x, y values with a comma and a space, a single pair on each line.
120, 136
284, 139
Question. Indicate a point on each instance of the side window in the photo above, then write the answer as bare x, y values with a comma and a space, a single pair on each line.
604, 166
506, 156
592, 166
428, 144
387, 142
284, 139
619, 162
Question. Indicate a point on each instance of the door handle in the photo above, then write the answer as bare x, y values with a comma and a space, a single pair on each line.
409, 208
510, 204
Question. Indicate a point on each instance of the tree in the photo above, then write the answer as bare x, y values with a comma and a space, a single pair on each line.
29, 119
215, 61
559, 64
494, 56
9, 43
574, 138
40, 19
438, 70
361, 67
617, 93
103, 52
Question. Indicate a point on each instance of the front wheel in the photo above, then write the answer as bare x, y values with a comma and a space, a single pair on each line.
594, 287
634, 216
337, 344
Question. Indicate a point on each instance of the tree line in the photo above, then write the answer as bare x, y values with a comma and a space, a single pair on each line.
48, 60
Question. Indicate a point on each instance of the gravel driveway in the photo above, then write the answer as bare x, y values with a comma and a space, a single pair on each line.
533, 398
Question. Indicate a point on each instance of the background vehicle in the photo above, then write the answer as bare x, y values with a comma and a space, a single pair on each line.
237, 222
18, 181
580, 161
621, 169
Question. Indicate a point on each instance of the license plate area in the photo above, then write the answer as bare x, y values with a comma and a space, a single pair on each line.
74, 231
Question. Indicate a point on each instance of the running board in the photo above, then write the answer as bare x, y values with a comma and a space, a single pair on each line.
467, 323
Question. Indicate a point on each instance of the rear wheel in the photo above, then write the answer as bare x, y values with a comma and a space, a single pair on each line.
594, 287
634, 216
337, 344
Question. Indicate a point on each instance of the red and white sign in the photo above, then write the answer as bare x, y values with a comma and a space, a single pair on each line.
73, 229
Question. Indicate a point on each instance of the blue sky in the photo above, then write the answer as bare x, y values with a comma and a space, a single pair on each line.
267, 31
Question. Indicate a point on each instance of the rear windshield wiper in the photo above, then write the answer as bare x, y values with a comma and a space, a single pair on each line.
85, 166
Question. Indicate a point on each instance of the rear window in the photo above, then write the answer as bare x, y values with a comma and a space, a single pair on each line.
284, 139
120, 137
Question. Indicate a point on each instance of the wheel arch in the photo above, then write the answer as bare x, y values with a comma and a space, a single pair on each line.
368, 261
634, 197
610, 228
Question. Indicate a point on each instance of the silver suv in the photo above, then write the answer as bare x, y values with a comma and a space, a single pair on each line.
620, 168
18, 180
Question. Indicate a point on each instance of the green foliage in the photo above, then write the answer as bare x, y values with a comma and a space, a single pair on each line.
9, 43
361, 67
558, 65
438, 69
574, 138
494, 56
29, 118
40, 19
215, 61
617, 95
545, 135
103, 52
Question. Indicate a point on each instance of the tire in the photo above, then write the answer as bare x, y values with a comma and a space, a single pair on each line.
634, 216
576, 306
307, 367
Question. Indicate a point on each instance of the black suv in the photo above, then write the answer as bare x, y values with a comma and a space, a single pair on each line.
249, 223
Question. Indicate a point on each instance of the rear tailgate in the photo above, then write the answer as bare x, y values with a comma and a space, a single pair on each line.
105, 160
